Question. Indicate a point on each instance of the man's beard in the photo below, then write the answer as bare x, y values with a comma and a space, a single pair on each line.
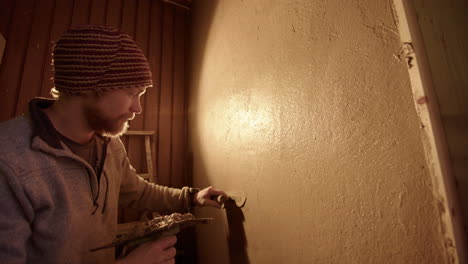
104, 126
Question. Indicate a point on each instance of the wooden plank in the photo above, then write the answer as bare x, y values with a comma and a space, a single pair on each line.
98, 12
13, 58
6, 13
142, 25
114, 13
188, 157
145, 176
434, 142
151, 121
31, 80
456, 130
61, 22
179, 107
154, 158
135, 144
140, 33
165, 110
129, 8
141, 132
443, 26
149, 160
81, 12
178, 4
141, 15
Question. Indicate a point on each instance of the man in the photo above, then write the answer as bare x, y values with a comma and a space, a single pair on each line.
63, 170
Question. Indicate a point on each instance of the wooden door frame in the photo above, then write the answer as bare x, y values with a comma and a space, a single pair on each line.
433, 136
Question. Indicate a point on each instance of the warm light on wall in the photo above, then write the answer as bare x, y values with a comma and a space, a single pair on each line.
251, 118
243, 119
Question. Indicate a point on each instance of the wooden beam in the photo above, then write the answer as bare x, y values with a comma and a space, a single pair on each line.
435, 145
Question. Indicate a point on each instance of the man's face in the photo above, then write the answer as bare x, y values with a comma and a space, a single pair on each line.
108, 114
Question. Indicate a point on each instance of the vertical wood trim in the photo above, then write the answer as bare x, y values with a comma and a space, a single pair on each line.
30, 83
179, 111
128, 17
141, 25
188, 157
165, 128
97, 13
433, 137
13, 58
6, 15
62, 19
153, 94
135, 145
46, 63
114, 13
24, 59
80, 12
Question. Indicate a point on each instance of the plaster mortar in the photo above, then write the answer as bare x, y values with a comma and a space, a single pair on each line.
303, 106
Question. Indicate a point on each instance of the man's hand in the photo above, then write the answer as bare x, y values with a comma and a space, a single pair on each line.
160, 251
205, 197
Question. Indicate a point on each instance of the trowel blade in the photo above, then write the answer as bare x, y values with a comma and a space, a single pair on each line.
238, 197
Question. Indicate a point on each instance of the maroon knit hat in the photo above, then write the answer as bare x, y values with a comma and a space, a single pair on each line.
98, 58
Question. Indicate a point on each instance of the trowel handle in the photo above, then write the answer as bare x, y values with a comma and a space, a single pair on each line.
221, 199
238, 197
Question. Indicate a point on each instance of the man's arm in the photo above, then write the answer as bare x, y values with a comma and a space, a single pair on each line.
205, 197
14, 226
137, 193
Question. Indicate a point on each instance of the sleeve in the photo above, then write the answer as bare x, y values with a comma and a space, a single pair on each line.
14, 225
137, 193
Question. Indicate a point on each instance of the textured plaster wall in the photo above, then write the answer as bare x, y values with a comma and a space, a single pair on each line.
305, 107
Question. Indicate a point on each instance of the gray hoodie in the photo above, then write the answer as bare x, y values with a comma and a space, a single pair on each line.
53, 207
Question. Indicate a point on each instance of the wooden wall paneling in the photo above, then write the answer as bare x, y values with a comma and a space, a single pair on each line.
141, 37
179, 106
26, 71
31, 79
114, 13
6, 11
135, 145
151, 97
188, 161
127, 25
61, 22
81, 12
142, 24
98, 12
165, 110
13, 58
129, 9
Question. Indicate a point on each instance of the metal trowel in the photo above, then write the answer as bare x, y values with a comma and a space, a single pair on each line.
237, 196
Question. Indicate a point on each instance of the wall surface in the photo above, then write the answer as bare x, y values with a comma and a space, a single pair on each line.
306, 108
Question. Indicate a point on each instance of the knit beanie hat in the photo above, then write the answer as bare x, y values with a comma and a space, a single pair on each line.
98, 58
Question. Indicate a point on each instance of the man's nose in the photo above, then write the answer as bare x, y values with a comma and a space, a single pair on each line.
136, 106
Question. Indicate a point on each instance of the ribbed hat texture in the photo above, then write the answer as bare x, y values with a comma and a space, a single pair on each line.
98, 58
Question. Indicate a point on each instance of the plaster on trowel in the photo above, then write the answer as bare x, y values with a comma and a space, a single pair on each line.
237, 196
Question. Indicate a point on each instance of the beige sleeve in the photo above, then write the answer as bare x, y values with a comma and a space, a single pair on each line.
137, 193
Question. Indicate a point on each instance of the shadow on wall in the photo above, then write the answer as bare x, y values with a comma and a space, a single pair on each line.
204, 10
236, 239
